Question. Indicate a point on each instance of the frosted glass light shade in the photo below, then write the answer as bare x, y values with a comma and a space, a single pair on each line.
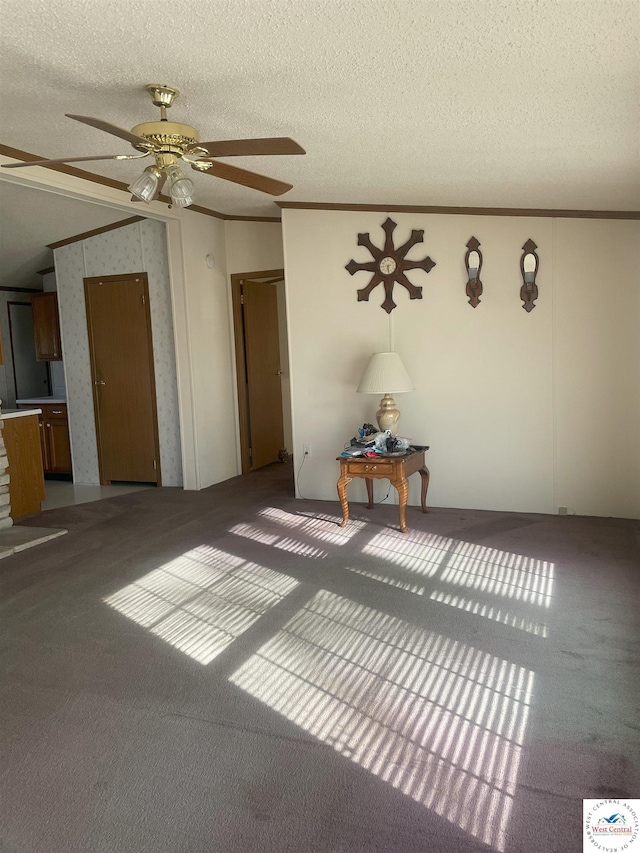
146, 185
385, 374
180, 187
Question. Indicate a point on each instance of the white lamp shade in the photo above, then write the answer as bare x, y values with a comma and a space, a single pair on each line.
385, 374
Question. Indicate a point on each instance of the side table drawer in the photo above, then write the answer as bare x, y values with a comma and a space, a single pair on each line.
374, 467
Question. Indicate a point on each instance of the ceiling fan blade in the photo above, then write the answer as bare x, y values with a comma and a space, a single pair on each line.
65, 160
110, 128
247, 179
246, 147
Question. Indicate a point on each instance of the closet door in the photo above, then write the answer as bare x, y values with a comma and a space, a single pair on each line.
122, 372
264, 377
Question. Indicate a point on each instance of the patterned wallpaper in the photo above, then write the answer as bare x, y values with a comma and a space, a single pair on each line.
140, 247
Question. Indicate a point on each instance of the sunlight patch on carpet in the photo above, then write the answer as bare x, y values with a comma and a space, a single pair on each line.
275, 540
489, 570
318, 525
439, 720
202, 601
495, 613
414, 562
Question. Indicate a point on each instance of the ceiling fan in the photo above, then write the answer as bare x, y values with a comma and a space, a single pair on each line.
168, 142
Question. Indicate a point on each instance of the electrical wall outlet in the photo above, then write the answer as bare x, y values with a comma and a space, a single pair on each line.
306, 450
562, 510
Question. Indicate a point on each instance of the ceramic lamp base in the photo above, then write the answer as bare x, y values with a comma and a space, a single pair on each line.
387, 415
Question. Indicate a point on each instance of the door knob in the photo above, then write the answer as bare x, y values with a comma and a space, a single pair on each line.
99, 382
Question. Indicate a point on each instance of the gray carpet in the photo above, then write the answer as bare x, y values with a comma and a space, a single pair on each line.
229, 671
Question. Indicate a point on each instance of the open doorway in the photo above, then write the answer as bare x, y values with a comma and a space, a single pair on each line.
31, 377
259, 321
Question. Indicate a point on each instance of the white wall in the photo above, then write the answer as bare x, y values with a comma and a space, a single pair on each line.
253, 246
140, 247
209, 345
597, 309
488, 380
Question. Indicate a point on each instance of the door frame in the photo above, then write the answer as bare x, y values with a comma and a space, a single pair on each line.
272, 277
87, 280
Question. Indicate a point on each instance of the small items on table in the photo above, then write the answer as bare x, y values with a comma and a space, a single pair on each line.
396, 468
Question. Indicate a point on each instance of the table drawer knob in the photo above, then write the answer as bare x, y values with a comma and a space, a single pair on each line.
370, 467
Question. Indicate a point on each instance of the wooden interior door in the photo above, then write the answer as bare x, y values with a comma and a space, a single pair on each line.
122, 372
264, 384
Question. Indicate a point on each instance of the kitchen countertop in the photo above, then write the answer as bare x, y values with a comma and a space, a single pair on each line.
28, 401
18, 413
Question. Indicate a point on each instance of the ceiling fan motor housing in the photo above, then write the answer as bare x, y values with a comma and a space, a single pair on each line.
167, 136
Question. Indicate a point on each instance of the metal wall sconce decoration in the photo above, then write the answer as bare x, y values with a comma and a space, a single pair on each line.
529, 264
389, 265
473, 263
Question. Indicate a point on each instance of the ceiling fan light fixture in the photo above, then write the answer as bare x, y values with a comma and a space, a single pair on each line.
168, 142
180, 187
146, 186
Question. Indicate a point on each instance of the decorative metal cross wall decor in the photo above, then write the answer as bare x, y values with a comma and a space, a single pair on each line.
389, 265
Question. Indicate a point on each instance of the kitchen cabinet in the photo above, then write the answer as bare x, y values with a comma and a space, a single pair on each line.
46, 326
54, 438
26, 480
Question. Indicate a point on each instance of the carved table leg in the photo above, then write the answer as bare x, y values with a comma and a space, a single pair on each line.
342, 494
402, 487
369, 484
424, 474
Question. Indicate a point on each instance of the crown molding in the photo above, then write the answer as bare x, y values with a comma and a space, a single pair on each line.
464, 211
232, 218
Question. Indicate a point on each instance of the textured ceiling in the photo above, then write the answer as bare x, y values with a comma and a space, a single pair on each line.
531, 103
30, 220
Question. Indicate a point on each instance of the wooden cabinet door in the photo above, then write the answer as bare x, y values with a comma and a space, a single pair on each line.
46, 326
59, 447
26, 478
55, 446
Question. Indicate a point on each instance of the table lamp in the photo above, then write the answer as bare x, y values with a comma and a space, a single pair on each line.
386, 375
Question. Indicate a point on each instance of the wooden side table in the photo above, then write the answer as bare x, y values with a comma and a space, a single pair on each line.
397, 469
